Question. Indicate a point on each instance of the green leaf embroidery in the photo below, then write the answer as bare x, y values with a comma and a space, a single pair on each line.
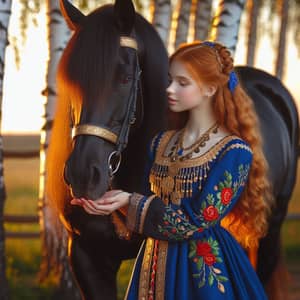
198, 253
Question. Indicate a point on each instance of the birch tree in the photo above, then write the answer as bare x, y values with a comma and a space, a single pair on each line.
161, 18
54, 236
253, 7
5, 12
283, 15
202, 19
183, 21
226, 23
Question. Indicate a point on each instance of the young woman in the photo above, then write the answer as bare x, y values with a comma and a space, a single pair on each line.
207, 180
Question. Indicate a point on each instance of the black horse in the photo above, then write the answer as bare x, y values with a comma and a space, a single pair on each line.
111, 83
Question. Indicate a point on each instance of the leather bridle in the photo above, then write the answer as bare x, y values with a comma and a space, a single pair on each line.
121, 139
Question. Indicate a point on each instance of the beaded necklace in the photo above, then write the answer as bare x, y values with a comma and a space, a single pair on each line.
178, 149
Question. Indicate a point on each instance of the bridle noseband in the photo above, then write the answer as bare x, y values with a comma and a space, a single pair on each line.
102, 132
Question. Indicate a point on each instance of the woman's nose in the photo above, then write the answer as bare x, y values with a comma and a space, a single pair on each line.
170, 89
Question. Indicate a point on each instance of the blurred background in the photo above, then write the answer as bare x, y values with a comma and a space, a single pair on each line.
268, 38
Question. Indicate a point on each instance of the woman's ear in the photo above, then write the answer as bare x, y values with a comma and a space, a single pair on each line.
209, 90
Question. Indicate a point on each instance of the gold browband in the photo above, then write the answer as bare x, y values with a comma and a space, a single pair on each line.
96, 131
126, 41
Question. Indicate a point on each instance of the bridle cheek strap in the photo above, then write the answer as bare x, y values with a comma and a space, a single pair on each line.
106, 134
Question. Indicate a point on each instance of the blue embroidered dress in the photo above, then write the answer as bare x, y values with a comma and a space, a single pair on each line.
187, 253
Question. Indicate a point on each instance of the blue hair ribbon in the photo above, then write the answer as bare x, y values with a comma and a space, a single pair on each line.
233, 81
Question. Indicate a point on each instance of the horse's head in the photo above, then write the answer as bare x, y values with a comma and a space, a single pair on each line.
102, 66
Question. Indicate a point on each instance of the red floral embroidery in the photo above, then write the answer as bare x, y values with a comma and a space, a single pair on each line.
210, 259
203, 248
226, 195
210, 213
205, 254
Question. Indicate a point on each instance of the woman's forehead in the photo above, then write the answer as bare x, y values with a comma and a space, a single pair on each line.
178, 69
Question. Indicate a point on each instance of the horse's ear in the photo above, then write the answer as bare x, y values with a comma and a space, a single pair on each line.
72, 15
125, 15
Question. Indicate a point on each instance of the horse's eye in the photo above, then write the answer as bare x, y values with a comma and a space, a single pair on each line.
126, 79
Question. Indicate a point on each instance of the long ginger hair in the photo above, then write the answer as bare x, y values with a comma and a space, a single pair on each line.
211, 63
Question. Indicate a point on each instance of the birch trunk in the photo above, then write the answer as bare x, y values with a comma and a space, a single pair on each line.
183, 21
5, 12
284, 8
253, 13
203, 19
226, 23
54, 236
161, 19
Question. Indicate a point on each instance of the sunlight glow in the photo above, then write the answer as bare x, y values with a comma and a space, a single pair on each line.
22, 100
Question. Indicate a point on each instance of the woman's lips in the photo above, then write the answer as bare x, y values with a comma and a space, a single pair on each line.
171, 101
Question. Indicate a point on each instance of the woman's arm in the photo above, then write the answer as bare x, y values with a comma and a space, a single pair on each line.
148, 215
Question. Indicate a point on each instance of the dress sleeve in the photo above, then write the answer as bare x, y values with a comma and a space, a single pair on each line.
148, 215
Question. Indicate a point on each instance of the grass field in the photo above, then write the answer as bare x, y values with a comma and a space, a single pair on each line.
23, 256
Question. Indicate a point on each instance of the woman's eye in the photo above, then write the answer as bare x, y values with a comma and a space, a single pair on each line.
183, 83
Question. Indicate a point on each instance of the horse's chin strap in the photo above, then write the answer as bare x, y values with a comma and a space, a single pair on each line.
120, 140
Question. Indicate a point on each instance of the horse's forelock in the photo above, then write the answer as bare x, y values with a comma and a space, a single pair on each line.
92, 55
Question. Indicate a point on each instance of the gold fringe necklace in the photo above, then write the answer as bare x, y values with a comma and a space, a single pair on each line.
174, 181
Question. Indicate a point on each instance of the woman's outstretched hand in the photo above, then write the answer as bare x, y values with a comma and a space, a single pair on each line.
108, 203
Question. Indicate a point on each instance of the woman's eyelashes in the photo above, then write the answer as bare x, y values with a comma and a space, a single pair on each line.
180, 81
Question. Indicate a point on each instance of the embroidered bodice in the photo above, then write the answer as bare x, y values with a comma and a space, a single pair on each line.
174, 180
187, 254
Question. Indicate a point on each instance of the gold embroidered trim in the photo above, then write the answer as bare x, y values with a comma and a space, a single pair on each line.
161, 270
133, 270
199, 160
144, 212
172, 181
154, 140
134, 201
236, 146
145, 270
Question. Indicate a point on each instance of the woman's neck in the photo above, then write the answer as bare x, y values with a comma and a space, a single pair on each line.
199, 121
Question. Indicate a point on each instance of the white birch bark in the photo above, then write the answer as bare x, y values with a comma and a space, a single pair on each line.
54, 236
161, 19
253, 7
5, 12
203, 19
284, 13
226, 23
183, 21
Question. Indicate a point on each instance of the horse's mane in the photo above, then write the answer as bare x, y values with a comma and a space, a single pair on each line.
85, 73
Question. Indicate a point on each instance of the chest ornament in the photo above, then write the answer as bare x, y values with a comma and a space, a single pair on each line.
175, 177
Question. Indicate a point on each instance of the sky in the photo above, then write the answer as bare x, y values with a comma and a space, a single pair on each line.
22, 108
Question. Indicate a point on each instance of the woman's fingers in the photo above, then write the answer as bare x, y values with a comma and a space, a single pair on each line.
109, 202
90, 208
76, 201
104, 207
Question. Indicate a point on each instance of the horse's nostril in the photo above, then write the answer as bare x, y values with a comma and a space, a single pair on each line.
95, 175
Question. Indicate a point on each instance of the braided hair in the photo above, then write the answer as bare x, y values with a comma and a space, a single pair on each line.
211, 63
